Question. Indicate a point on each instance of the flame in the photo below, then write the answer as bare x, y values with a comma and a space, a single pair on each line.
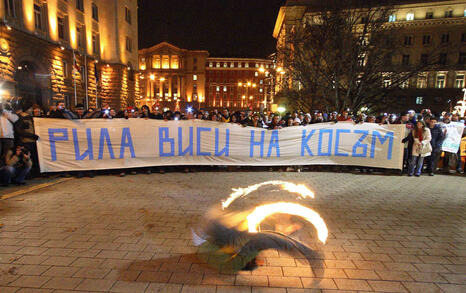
300, 189
263, 211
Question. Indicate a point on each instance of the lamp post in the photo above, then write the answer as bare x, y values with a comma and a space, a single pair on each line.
270, 80
246, 85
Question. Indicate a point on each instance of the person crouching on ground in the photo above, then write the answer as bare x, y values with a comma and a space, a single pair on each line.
421, 148
17, 165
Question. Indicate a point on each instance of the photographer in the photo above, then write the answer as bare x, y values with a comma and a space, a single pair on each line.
7, 121
25, 135
17, 165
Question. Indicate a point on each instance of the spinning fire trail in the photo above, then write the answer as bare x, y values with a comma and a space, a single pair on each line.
233, 240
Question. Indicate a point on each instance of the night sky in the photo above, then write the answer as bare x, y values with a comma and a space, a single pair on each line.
225, 28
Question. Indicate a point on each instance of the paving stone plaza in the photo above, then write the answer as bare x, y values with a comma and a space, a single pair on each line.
132, 234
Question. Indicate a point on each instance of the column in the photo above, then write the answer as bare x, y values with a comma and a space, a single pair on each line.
179, 86
161, 89
170, 86
148, 88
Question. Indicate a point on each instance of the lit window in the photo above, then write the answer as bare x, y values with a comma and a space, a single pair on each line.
387, 82
239, 64
257, 65
156, 62
422, 81
143, 64
225, 64
195, 77
218, 88
392, 18
165, 62
459, 81
405, 84
256, 74
419, 100
218, 64
429, 15
261, 90
266, 74
211, 64
128, 15
246, 65
440, 81
232, 64
175, 62
410, 16
224, 88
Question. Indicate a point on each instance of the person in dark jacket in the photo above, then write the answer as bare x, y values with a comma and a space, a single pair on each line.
437, 139
61, 112
25, 136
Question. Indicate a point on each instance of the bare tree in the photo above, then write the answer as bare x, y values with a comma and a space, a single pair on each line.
345, 54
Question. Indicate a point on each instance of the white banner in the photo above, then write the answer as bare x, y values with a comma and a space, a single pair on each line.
454, 132
93, 144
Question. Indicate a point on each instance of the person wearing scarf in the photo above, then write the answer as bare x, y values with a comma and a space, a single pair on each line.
421, 148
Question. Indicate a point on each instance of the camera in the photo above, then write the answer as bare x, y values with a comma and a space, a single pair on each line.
23, 151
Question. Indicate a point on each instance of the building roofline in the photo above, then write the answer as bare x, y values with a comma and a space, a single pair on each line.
239, 59
279, 22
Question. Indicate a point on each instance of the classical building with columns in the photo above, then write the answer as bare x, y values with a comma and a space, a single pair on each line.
175, 78
77, 51
171, 77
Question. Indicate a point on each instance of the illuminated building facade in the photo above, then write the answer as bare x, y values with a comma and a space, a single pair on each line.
238, 83
426, 25
175, 78
171, 77
77, 51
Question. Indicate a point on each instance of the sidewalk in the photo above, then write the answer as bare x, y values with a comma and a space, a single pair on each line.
133, 234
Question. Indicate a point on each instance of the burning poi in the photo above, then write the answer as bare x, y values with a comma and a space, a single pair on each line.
232, 241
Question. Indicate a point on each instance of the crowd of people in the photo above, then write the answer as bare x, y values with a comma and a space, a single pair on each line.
422, 141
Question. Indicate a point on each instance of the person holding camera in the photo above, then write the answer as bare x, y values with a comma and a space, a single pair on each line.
17, 165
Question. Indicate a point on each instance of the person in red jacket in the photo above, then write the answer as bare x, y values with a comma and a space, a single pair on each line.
344, 116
